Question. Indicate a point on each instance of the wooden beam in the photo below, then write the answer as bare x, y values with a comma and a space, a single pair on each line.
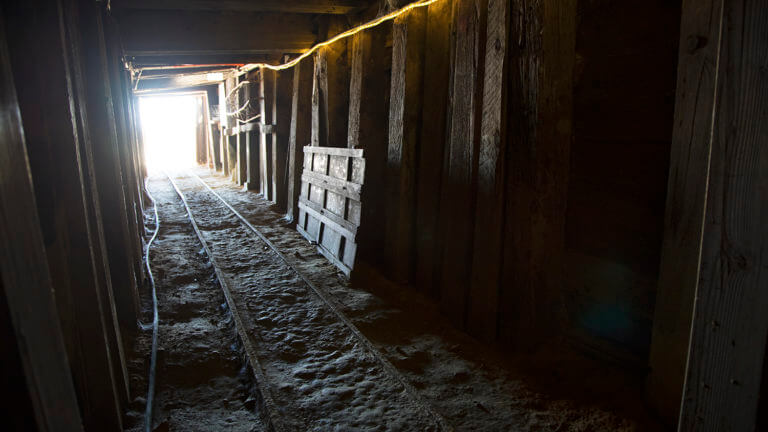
368, 129
281, 135
341, 7
300, 133
404, 133
437, 65
456, 202
267, 89
728, 335
540, 83
331, 90
108, 175
242, 159
489, 213
27, 289
213, 33
686, 198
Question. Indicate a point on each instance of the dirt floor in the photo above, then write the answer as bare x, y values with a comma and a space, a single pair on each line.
325, 381
202, 384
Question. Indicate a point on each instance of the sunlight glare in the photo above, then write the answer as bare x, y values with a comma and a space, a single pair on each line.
169, 128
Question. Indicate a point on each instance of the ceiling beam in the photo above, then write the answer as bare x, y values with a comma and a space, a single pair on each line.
191, 33
291, 6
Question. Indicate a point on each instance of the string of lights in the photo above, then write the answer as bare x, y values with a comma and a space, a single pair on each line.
387, 17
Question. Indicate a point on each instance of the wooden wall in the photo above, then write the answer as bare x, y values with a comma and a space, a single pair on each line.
72, 162
624, 91
516, 159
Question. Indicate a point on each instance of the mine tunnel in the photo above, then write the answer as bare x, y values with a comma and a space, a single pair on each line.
384, 215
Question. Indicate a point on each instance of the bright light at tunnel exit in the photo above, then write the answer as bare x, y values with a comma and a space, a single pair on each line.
169, 126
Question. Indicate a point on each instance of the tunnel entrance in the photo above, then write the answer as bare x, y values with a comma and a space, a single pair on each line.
169, 125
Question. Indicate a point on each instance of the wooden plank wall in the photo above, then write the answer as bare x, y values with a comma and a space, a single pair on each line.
618, 175
74, 166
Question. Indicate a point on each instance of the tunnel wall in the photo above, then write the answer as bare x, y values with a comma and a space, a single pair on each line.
83, 160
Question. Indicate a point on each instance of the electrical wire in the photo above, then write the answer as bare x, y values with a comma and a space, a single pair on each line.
155, 320
373, 23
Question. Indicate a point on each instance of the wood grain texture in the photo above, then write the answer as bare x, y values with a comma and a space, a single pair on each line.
404, 133
489, 213
371, 134
27, 286
108, 171
300, 133
459, 176
431, 152
540, 126
267, 94
281, 135
728, 335
686, 198
53, 142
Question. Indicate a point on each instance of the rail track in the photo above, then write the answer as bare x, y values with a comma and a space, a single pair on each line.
314, 368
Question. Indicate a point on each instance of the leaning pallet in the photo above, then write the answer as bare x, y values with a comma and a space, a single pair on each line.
329, 204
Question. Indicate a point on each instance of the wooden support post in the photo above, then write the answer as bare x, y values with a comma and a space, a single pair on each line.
216, 147
281, 136
437, 65
27, 290
225, 151
540, 106
232, 155
108, 170
331, 90
52, 140
267, 92
129, 182
300, 133
252, 155
404, 133
242, 158
713, 257
457, 203
368, 129
489, 213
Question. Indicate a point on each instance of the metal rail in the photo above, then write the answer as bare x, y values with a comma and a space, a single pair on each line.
333, 306
274, 418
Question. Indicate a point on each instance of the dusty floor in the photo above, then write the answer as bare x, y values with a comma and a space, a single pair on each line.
469, 385
202, 384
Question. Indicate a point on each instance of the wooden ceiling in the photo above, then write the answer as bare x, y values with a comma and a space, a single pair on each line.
173, 32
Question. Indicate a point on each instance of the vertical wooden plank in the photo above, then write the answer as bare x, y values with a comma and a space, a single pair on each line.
267, 90
27, 287
233, 157
540, 122
319, 130
686, 198
404, 132
281, 135
330, 113
373, 137
457, 201
360, 44
47, 109
437, 64
252, 156
300, 133
728, 335
489, 214
242, 158
106, 152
